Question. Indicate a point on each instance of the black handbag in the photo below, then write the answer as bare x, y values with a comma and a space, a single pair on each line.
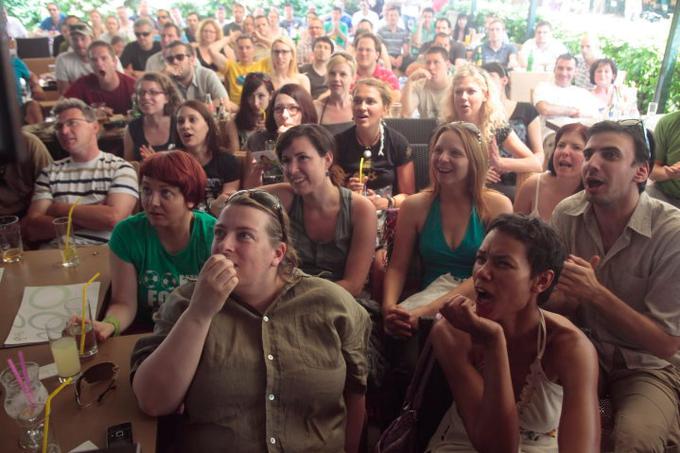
401, 436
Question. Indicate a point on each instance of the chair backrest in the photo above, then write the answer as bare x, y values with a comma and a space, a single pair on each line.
416, 130
338, 128
421, 161
33, 47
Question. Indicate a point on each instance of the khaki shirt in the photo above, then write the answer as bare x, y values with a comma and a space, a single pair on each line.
272, 381
642, 269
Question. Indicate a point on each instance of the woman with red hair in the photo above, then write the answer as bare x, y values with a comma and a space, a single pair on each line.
158, 249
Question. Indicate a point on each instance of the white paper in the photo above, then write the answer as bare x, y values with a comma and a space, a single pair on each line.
42, 303
47, 371
85, 446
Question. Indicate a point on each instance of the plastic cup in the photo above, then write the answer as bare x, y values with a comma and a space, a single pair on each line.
69, 255
74, 309
11, 247
64, 348
652, 108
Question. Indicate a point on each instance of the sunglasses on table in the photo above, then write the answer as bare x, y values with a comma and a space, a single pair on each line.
95, 383
179, 57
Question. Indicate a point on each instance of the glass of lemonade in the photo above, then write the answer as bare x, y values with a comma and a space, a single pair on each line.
11, 246
74, 309
64, 348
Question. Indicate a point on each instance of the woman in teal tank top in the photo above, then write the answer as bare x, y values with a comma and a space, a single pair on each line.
446, 222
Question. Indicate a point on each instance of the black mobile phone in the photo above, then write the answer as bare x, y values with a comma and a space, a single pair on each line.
119, 435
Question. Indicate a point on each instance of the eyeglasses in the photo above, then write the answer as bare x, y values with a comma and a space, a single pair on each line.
639, 126
142, 33
269, 202
292, 109
70, 123
470, 127
95, 383
152, 93
179, 57
281, 51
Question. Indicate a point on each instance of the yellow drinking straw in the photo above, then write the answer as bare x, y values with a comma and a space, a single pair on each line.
82, 313
68, 249
361, 171
48, 408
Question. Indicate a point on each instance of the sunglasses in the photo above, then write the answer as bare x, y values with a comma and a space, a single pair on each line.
269, 202
95, 383
179, 57
142, 33
638, 126
470, 127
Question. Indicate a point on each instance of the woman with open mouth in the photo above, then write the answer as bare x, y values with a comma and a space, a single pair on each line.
391, 175
523, 379
474, 99
337, 106
539, 194
446, 223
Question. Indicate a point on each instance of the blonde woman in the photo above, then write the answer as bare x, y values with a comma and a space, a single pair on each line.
337, 107
211, 47
474, 98
283, 65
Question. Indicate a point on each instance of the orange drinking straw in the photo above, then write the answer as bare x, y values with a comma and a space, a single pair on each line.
82, 313
48, 408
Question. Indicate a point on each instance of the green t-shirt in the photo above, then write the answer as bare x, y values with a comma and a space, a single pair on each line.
134, 240
667, 138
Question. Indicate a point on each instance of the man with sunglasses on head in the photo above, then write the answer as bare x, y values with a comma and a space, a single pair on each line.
193, 80
137, 52
620, 282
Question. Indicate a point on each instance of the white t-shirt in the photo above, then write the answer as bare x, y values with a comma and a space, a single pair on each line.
544, 57
69, 67
372, 16
15, 29
570, 96
427, 101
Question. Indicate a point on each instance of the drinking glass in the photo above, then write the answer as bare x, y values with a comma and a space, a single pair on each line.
69, 255
11, 246
64, 348
652, 108
74, 309
30, 417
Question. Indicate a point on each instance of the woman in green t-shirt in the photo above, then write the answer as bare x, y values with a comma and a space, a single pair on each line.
157, 250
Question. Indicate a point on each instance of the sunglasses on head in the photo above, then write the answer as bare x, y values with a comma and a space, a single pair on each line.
638, 126
179, 57
95, 383
470, 127
266, 200
142, 33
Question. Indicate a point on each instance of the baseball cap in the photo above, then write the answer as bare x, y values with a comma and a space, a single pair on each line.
80, 29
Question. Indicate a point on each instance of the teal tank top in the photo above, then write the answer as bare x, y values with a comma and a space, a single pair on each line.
436, 255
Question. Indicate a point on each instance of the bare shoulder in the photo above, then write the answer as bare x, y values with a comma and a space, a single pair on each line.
531, 181
567, 346
415, 207
283, 191
496, 203
361, 205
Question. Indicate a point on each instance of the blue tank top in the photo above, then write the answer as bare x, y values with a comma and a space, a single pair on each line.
436, 255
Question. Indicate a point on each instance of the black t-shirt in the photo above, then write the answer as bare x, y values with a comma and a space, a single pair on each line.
316, 81
523, 114
134, 55
222, 168
396, 152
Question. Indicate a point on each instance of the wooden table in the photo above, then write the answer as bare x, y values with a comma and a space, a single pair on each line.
43, 267
74, 425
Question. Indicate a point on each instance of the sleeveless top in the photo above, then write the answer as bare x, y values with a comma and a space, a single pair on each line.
325, 260
436, 255
136, 129
539, 408
204, 63
534, 205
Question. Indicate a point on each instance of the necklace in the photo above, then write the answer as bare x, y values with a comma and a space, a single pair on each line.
382, 141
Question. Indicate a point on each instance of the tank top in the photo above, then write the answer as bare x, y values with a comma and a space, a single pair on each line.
136, 129
327, 259
436, 255
539, 408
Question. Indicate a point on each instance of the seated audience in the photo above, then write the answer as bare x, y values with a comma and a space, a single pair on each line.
31, 91
336, 29
213, 330
337, 106
305, 48
192, 80
112, 29
396, 39
96, 23
156, 250
237, 71
20, 175
561, 98
101, 186
50, 24
257, 91
494, 49
444, 224
137, 52
283, 68
621, 281
522, 378
392, 175
210, 48
365, 26
426, 87
456, 49
157, 100
118, 45
540, 52
105, 85
169, 33
364, 13
666, 170
541, 192
15, 29
424, 31
463, 31
474, 99
72, 65
367, 47
316, 70
198, 133
263, 37
616, 100
191, 30
590, 53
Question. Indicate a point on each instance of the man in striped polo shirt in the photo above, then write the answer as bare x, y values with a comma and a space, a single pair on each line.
103, 186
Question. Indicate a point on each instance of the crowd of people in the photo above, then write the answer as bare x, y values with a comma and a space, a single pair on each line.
549, 272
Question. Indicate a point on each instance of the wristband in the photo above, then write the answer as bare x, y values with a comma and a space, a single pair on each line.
115, 322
